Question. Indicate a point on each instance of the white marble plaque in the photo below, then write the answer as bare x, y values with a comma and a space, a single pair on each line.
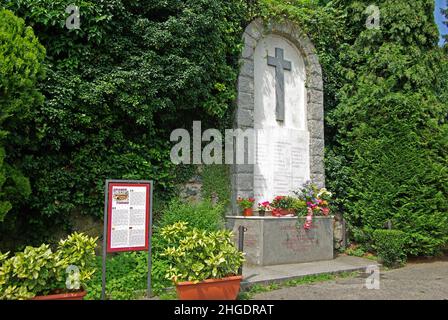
282, 147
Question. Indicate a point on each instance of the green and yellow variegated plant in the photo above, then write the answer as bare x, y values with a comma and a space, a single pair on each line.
196, 255
40, 271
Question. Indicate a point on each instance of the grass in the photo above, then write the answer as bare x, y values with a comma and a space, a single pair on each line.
168, 295
257, 288
357, 251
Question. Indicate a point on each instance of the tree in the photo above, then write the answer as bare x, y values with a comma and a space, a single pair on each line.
445, 12
21, 58
115, 89
392, 130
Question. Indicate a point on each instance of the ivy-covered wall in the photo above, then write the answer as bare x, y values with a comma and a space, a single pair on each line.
114, 90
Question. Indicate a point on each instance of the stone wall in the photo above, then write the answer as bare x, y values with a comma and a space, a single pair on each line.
272, 241
191, 190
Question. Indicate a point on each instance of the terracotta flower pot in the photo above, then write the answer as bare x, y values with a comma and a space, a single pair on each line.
282, 212
211, 289
79, 295
248, 212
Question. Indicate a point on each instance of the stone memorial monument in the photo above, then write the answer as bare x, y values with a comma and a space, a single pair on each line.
280, 96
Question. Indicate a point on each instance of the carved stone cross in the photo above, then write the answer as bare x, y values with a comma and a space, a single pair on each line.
280, 64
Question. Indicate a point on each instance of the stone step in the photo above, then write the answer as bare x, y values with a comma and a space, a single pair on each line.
265, 275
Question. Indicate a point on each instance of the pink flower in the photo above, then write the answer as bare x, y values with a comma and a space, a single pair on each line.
325, 211
309, 220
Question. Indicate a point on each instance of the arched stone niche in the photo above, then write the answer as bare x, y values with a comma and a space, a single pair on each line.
280, 93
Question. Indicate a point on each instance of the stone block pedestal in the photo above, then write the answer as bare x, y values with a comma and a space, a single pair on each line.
274, 241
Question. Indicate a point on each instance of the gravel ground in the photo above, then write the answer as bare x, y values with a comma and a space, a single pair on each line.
416, 281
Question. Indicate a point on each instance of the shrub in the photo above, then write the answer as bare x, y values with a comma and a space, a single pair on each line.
203, 215
392, 147
389, 245
78, 250
40, 271
21, 58
115, 89
196, 255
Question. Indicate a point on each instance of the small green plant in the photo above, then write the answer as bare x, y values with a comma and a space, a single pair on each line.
203, 215
196, 255
355, 251
298, 206
390, 245
168, 295
245, 203
216, 183
40, 271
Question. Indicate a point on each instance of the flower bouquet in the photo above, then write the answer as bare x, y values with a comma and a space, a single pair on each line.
317, 202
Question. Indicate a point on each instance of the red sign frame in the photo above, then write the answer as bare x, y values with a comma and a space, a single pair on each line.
109, 216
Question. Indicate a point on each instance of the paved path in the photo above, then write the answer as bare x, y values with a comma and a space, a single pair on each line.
416, 281
264, 275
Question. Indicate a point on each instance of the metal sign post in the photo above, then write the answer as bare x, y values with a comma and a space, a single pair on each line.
123, 188
241, 231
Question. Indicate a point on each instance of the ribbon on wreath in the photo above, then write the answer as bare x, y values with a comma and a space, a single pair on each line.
309, 219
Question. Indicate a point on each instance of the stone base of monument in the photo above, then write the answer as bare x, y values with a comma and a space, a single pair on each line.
273, 241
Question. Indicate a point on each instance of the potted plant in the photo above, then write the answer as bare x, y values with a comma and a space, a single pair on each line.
317, 202
263, 207
202, 264
282, 206
246, 205
41, 274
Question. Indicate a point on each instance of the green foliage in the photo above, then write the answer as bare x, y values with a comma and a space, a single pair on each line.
126, 277
195, 255
21, 58
28, 273
203, 215
115, 89
40, 271
78, 250
127, 272
245, 203
355, 251
391, 151
216, 183
445, 12
389, 245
